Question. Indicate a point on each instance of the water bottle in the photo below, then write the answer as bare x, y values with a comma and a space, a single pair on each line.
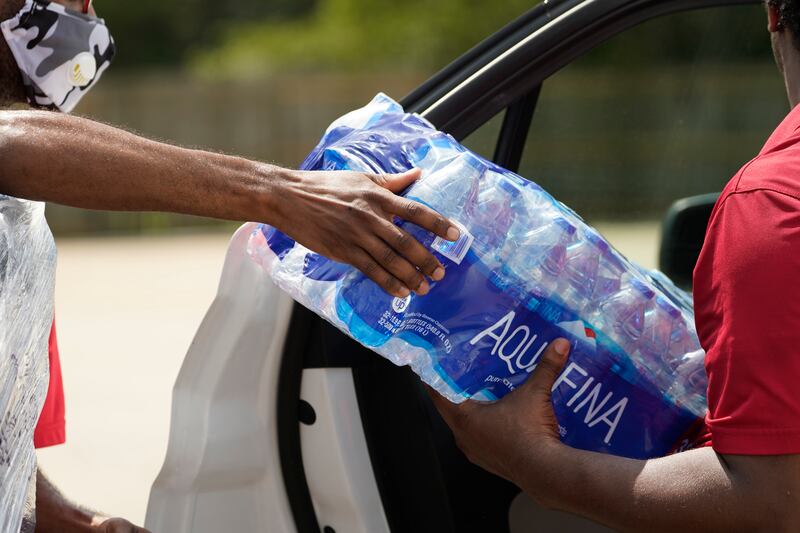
578, 284
452, 189
684, 341
622, 315
540, 256
435, 152
690, 383
610, 272
655, 342
492, 217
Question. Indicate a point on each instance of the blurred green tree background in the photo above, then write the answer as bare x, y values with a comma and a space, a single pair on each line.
155, 33
668, 109
258, 37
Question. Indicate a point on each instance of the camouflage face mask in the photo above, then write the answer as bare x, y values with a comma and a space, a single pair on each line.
61, 53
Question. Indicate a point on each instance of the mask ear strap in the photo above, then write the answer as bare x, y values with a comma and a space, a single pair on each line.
31, 95
24, 18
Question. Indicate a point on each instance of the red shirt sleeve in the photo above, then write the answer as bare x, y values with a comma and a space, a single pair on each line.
50, 429
747, 309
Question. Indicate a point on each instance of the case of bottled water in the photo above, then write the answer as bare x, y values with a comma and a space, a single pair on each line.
525, 271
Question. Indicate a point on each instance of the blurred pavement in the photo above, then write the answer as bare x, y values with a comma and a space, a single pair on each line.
127, 309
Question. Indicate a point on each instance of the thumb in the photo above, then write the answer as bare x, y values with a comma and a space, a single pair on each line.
399, 182
549, 367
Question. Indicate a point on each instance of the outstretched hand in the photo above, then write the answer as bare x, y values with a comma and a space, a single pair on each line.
503, 436
348, 217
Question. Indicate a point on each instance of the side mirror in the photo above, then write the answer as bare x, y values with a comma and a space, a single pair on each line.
682, 236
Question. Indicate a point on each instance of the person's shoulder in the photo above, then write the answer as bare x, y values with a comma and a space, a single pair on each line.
749, 260
759, 202
754, 230
773, 173
776, 168
756, 221
777, 165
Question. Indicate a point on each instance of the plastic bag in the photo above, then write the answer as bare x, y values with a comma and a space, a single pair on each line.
525, 271
27, 273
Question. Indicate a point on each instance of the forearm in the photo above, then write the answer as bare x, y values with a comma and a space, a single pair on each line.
77, 162
690, 491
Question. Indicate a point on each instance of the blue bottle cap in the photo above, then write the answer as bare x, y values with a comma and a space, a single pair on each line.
565, 225
509, 187
597, 240
643, 288
473, 162
667, 306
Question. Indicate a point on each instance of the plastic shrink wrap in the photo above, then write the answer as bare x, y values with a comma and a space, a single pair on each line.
27, 270
525, 271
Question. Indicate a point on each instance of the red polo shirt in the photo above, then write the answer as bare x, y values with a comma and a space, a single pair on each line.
50, 429
747, 303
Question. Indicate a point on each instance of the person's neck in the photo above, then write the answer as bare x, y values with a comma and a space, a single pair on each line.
790, 59
791, 75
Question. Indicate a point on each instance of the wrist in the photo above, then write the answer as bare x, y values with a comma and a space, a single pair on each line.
272, 194
543, 473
